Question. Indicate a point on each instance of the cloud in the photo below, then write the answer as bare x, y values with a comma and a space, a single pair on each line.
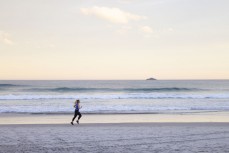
114, 15
146, 29
7, 41
5, 38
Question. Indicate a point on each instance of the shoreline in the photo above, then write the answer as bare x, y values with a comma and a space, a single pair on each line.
114, 113
13, 118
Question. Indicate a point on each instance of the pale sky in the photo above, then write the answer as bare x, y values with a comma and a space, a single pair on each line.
114, 39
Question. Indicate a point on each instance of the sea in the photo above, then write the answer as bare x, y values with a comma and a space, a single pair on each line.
114, 96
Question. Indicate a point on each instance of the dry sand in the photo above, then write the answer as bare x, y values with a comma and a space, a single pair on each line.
116, 138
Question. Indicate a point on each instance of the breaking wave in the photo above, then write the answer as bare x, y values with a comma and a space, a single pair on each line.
65, 89
8, 85
114, 96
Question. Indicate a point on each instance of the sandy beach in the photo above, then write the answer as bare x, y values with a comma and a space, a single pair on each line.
115, 133
19, 118
116, 137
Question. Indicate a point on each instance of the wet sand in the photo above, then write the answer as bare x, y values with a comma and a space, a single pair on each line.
14, 118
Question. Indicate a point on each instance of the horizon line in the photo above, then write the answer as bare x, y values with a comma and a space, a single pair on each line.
105, 79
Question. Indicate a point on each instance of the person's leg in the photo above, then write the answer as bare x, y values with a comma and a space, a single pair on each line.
74, 115
79, 115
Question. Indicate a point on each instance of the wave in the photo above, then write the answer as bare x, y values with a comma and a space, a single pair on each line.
113, 96
162, 89
66, 89
111, 109
8, 85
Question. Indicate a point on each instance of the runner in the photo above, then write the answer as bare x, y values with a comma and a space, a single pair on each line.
77, 108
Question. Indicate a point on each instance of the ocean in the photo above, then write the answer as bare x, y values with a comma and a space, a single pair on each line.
114, 96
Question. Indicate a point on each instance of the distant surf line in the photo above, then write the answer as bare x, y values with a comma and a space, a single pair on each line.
115, 96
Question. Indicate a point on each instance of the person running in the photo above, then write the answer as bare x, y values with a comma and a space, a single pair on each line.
77, 108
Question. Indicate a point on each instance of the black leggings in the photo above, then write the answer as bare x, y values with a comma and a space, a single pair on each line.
77, 113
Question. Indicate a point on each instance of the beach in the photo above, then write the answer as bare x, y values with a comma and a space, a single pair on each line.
116, 137
115, 133
59, 118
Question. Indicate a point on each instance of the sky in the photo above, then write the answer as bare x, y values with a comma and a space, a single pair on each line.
114, 39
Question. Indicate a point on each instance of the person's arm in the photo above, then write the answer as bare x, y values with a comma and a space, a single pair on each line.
79, 106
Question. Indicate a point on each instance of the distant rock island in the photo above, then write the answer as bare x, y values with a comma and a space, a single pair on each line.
151, 79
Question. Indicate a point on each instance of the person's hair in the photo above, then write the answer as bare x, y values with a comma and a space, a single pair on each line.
77, 101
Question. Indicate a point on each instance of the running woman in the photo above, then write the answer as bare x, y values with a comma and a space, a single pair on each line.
77, 108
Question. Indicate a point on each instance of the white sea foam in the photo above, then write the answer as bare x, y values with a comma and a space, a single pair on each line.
108, 109
116, 96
